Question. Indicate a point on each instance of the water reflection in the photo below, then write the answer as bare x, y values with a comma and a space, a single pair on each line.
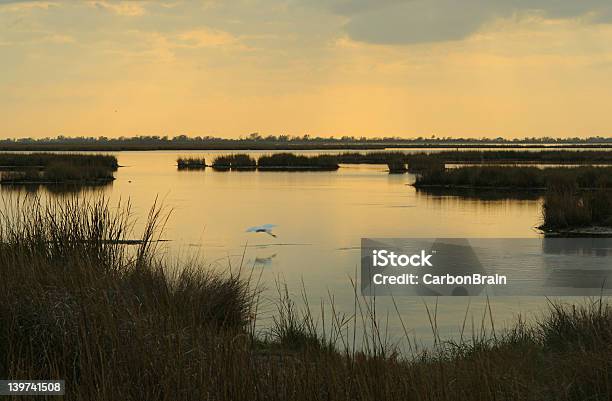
480, 194
57, 189
599, 247
264, 260
191, 168
578, 262
455, 257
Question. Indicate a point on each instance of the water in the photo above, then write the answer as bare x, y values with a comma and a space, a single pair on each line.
321, 218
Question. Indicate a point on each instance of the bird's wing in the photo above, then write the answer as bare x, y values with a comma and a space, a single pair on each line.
263, 227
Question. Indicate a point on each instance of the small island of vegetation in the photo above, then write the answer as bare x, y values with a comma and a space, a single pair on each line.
425, 160
500, 177
52, 168
191, 163
289, 161
276, 162
234, 162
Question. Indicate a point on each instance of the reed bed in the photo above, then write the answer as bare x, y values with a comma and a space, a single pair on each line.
397, 167
371, 157
518, 156
416, 160
78, 304
44, 159
566, 207
420, 163
56, 168
234, 162
191, 163
290, 161
515, 177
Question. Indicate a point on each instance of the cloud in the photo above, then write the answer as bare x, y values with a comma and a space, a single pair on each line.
416, 22
19, 5
205, 38
125, 8
424, 21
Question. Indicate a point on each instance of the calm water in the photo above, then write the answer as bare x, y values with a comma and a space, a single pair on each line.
321, 217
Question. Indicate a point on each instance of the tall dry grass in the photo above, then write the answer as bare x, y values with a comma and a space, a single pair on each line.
118, 322
566, 206
77, 303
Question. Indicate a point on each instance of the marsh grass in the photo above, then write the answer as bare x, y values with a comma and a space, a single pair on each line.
523, 156
425, 163
191, 163
78, 304
120, 322
371, 157
44, 159
397, 166
424, 160
290, 161
516, 177
491, 177
276, 162
567, 207
234, 162
57, 168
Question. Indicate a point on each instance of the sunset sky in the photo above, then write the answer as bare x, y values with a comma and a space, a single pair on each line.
474, 68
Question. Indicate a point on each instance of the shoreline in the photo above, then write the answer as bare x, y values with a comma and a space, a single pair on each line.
451, 187
272, 146
68, 182
591, 231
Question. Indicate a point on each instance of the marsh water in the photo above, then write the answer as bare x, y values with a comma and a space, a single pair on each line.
320, 218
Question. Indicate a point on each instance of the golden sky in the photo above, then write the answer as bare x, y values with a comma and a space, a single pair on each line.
470, 68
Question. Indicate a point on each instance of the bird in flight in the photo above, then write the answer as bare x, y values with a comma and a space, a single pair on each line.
264, 228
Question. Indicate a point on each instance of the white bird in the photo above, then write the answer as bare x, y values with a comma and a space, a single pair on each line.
264, 228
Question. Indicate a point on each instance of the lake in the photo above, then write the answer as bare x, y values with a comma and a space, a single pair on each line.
321, 218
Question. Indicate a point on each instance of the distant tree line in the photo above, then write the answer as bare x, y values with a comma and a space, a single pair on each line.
256, 137
258, 141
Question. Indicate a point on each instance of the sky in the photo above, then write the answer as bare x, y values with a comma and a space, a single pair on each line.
408, 68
